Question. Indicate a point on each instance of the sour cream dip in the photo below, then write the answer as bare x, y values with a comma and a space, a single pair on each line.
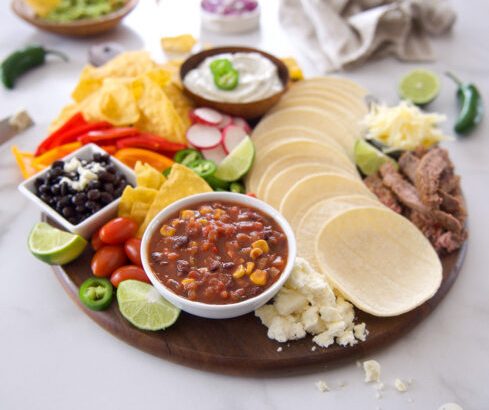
258, 79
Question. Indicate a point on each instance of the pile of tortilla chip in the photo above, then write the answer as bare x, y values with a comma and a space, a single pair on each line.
132, 90
154, 192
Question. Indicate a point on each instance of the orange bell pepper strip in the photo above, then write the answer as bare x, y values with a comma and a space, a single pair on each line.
109, 149
130, 156
24, 162
54, 154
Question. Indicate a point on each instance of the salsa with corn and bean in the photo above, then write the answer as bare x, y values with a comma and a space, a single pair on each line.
219, 252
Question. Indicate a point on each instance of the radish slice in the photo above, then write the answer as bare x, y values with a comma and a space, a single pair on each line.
216, 154
206, 116
232, 136
226, 120
241, 122
203, 136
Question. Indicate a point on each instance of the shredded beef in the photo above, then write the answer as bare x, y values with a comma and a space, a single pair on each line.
426, 190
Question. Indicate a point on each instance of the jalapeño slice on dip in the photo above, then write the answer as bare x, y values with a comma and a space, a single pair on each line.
218, 252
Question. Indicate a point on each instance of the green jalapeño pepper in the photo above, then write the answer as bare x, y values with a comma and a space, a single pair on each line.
237, 187
227, 81
203, 167
22, 61
221, 66
96, 293
471, 107
186, 156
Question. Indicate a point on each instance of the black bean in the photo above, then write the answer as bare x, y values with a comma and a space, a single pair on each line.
97, 157
63, 189
106, 176
96, 208
109, 188
228, 265
93, 194
111, 168
64, 201
80, 209
183, 266
79, 198
91, 205
180, 240
45, 198
118, 192
44, 189
214, 265
58, 164
94, 185
38, 182
56, 172
106, 198
68, 211
55, 189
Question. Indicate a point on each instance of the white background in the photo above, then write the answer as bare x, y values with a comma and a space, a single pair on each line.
54, 357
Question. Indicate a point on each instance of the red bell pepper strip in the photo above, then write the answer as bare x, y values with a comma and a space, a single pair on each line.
72, 135
75, 121
107, 135
151, 142
109, 149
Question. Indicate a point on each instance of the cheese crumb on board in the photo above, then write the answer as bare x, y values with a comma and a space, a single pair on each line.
279, 349
450, 406
322, 386
400, 385
372, 371
307, 304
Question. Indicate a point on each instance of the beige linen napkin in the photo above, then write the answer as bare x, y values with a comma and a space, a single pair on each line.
337, 34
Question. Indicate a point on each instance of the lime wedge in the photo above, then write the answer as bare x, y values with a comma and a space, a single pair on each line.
144, 307
368, 158
419, 86
238, 162
54, 246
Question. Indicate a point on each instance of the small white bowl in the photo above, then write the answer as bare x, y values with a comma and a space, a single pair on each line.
93, 222
215, 311
231, 24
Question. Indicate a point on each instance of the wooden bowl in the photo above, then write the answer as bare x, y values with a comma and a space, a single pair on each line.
79, 28
250, 110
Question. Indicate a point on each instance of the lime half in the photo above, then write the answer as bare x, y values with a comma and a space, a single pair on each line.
238, 162
368, 158
419, 86
144, 307
54, 246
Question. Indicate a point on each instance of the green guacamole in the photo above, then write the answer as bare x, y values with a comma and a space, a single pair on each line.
72, 10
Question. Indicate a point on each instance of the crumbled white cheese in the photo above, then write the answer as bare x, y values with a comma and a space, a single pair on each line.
307, 304
86, 173
322, 386
378, 395
400, 385
279, 349
379, 386
20, 120
450, 406
313, 349
372, 371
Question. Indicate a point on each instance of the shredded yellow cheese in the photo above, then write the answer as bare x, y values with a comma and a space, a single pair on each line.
404, 126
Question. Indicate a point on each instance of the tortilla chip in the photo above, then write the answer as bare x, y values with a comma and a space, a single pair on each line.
43, 7
113, 102
182, 182
131, 196
178, 44
147, 176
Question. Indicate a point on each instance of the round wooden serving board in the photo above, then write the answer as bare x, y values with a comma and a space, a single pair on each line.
240, 346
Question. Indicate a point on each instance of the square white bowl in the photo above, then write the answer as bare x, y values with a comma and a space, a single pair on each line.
89, 225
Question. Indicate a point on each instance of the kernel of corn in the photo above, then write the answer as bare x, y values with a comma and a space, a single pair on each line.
187, 214
168, 230
261, 244
205, 210
239, 272
249, 267
186, 281
256, 253
259, 277
218, 213
202, 221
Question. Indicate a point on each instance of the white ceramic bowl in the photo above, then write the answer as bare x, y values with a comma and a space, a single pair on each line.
93, 222
207, 310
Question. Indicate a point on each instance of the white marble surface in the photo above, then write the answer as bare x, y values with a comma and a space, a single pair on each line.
54, 357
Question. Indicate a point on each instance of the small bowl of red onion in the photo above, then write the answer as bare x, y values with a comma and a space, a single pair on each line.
230, 16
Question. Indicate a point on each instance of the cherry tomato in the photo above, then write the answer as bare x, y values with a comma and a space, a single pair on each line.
133, 250
107, 259
96, 242
128, 272
118, 230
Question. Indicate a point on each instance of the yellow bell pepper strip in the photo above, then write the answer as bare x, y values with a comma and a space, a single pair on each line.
130, 156
24, 162
46, 159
